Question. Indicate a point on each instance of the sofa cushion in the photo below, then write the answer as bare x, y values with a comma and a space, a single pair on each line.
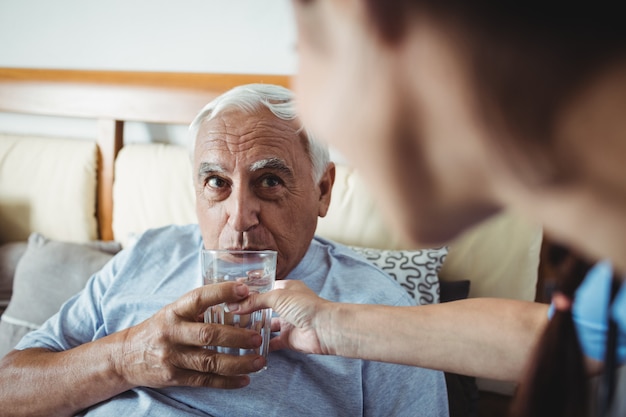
47, 185
148, 196
48, 273
10, 254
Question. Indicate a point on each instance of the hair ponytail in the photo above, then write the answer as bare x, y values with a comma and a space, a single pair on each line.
556, 381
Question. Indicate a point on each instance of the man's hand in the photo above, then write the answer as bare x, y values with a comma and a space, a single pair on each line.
165, 350
168, 349
300, 319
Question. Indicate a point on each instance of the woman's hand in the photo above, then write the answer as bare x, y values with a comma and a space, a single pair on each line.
302, 316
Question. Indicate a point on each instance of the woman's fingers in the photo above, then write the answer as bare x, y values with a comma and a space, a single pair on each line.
284, 291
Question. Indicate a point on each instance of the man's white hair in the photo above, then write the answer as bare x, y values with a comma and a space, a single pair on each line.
250, 98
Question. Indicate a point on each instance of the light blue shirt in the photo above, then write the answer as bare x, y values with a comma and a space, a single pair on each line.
590, 312
164, 264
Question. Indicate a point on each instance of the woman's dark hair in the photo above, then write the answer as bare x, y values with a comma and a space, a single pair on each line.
556, 382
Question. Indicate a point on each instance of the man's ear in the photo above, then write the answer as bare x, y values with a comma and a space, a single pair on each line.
325, 186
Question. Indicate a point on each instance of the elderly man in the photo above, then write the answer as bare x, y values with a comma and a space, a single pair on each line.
130, 343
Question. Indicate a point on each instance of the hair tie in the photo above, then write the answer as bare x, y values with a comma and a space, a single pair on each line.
561, 302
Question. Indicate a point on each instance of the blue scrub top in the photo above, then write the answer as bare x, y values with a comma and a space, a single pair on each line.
590, 312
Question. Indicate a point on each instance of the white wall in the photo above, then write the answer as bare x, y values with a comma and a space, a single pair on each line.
234, 36
149, 35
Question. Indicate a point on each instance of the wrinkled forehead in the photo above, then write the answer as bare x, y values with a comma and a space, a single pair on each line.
235, 135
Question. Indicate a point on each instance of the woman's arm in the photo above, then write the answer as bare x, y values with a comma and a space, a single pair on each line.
484, 337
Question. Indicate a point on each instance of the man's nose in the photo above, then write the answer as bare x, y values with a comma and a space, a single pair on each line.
243, 210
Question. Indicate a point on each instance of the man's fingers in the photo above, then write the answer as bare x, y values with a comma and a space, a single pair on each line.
204, 334
202, 379
209, 362
222, 382
197, 301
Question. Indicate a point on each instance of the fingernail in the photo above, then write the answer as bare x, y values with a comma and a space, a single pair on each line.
231, 307
244, 381
259, 362
241, 290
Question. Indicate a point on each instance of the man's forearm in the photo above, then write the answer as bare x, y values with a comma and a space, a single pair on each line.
40, 382
490, 338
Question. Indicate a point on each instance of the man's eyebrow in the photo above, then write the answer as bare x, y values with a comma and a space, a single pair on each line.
276, 164
209, 167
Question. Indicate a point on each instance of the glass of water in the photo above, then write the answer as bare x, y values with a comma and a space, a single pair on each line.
256, 269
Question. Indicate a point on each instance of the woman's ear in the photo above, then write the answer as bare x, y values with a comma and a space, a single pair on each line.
325, 186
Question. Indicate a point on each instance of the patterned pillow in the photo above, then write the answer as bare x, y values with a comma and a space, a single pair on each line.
415, 270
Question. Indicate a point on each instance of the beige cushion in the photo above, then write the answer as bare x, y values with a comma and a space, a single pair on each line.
500, 257
153, 187
47, 185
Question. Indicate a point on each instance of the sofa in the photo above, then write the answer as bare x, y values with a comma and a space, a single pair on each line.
68, 205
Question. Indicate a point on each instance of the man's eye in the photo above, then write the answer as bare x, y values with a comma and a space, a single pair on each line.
215, 182
270, 181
